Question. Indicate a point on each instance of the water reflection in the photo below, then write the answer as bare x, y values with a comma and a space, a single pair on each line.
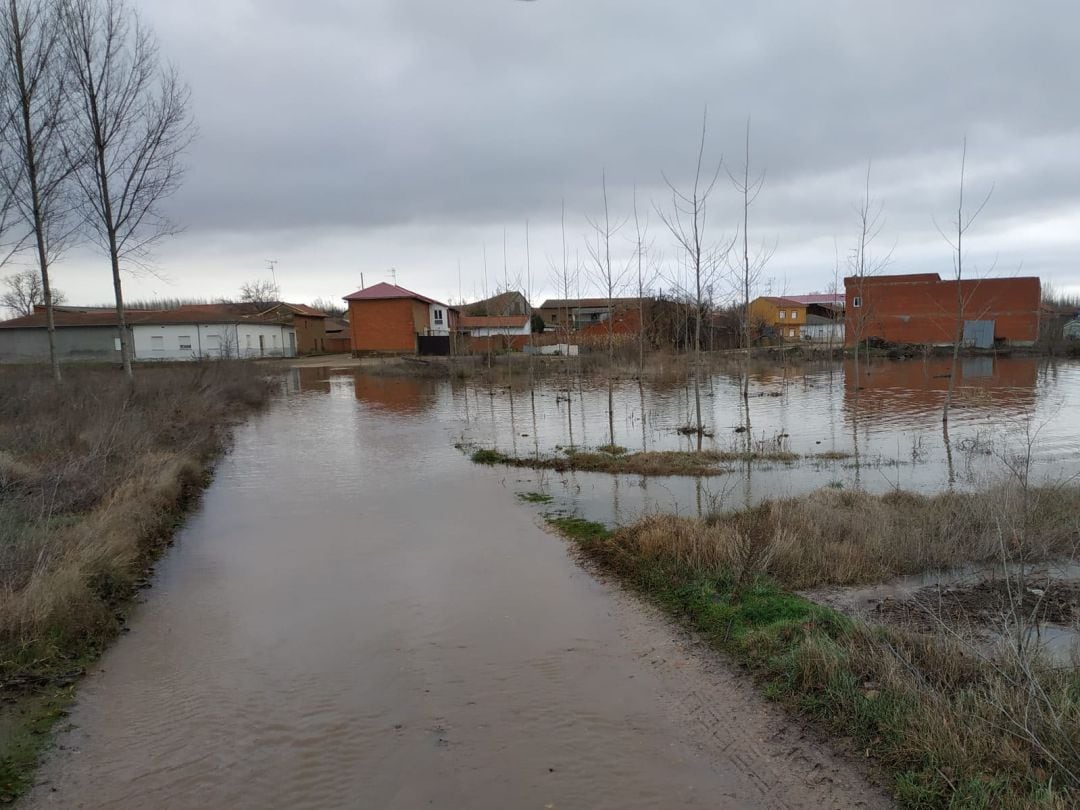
403, 394
889, 427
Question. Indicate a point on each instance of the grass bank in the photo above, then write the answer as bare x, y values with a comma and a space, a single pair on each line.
953, 730
616, 461
94, 477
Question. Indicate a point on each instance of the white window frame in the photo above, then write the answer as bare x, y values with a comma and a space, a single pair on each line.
794, 314
437, 316
183, 342
157, 343
791, 333
783, 314
856, 302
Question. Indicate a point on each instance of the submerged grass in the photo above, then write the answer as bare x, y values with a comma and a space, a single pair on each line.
954, 731
616, 461
534, 497
94, 477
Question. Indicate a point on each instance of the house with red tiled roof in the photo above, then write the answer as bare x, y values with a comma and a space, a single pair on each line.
388, 319
184, 333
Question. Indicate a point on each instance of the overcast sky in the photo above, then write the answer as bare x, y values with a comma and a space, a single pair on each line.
342, 137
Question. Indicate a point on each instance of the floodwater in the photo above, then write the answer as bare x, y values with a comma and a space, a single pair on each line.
889, 425
358, 617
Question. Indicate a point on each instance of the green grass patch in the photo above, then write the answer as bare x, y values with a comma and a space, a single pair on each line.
490, 457
579, 529
534, 497
913, 702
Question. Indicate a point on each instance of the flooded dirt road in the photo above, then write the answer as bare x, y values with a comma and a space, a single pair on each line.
357, 617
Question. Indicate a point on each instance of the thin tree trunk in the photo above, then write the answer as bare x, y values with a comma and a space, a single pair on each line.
37, 208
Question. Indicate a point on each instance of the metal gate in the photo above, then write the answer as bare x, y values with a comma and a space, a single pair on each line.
433, 345
979, 334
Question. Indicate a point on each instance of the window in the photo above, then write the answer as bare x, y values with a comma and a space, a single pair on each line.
249, 341
185, 342
273, 339
856, 302
791, 333
783, 314
794, 315
157, 343
438, 316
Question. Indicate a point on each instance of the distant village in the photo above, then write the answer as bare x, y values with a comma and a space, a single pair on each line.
916, 309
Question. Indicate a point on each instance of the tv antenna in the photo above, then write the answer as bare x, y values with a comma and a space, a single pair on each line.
272, 263
392, 272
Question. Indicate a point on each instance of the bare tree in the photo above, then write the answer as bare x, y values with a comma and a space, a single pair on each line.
687, 220
565, 280
129, 130
962, 223
863, 264
23, 292
36, 172
261, 292
748, 271
611, 280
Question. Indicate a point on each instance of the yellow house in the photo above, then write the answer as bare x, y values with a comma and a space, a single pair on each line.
779, 318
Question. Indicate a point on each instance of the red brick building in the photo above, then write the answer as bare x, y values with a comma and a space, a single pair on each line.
922, 309
389, 319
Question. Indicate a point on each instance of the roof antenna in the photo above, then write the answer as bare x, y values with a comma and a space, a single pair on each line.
392, 272
272, 263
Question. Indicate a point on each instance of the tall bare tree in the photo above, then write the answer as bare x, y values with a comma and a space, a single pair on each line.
747, 272
863, 264
129, 130
611, 279
687, 220
33, 114
961, 225
23, 292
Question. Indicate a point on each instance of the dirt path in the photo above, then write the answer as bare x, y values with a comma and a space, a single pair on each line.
357, 617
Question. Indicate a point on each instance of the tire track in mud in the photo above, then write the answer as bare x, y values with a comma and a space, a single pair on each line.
785, 764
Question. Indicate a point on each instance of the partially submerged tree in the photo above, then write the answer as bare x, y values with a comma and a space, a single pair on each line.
863, 264
35, 171
747, 272
610, 279
129, 129
23, 292
687, 220
960, 227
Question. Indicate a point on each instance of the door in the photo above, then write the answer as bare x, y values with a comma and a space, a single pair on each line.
979, 334
292, 344
262, 345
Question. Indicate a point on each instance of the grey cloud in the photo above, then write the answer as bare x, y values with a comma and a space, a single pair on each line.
365, 116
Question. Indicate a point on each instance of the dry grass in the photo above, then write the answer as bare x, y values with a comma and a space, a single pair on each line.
845, 538
92, 477
653, 463
954, 728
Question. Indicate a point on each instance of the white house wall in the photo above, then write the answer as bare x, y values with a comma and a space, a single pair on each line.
440, 327
191, 341
491, 331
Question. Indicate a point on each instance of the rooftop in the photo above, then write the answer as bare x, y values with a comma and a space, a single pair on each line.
586, 303
190, 314
384, 291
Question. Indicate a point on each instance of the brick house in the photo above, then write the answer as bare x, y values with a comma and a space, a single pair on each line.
389, 319
922, 309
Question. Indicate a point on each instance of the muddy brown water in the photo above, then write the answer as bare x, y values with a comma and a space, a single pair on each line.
357, 617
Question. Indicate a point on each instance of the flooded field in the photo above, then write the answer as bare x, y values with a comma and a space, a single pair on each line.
889, 426
358, 616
